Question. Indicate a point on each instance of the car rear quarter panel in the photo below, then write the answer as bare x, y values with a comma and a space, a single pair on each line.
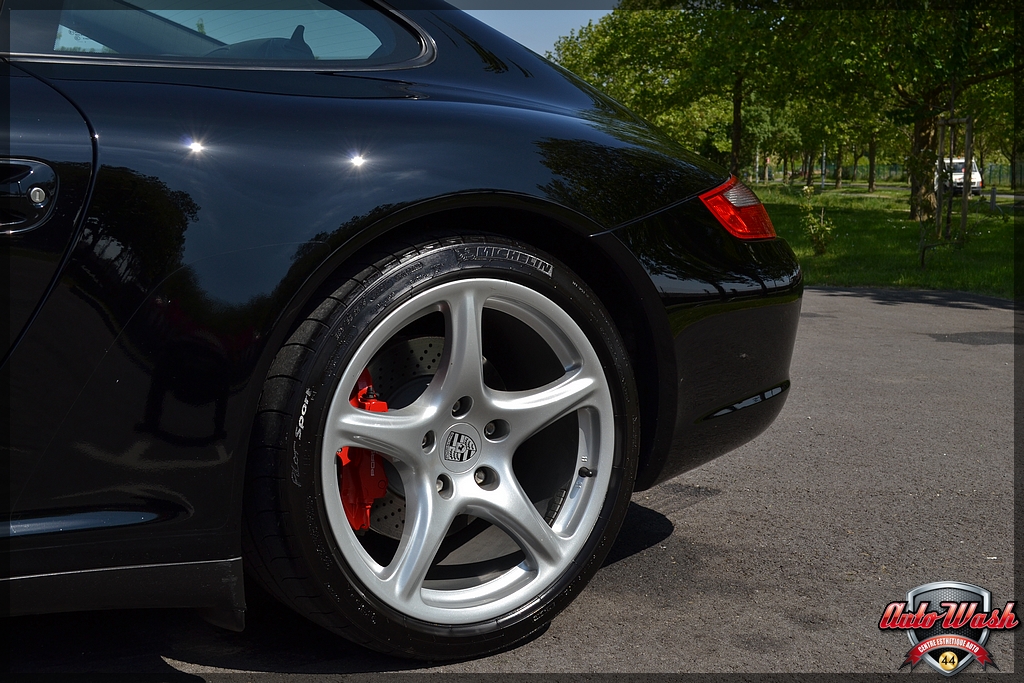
733, 308
191, 265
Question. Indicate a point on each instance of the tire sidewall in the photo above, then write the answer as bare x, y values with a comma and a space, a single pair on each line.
363, 304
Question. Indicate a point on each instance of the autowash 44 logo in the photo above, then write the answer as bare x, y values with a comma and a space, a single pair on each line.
948, 623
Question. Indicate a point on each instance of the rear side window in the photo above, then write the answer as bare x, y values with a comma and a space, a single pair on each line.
282, 33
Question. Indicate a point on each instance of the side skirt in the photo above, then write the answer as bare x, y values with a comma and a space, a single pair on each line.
215, 587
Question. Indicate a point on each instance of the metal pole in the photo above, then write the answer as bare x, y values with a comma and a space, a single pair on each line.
822, 166
968, 166
941, 179
948, 229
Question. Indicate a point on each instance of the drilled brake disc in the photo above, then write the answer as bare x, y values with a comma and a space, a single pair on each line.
400, 374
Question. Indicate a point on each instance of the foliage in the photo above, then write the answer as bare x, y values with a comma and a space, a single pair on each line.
729, 80
819, 230
923, 62
660, 64
628, 56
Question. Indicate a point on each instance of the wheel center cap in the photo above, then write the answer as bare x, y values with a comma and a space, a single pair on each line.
459, 447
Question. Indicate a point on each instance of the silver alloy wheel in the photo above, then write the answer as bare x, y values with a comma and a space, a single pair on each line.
479, 479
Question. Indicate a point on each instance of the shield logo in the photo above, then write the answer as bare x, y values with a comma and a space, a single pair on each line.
459, 447
949, 661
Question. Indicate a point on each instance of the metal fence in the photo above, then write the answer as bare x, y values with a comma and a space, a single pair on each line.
991, 174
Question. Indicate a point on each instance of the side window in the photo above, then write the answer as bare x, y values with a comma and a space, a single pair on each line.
327, 34
237, 31
69, 40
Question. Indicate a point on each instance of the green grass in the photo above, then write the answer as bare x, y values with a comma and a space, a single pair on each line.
875, 245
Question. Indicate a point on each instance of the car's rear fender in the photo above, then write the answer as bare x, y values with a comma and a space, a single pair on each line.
601, 259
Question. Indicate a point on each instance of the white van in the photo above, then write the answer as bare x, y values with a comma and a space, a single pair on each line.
955, 168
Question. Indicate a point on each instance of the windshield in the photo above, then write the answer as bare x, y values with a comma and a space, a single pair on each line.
957, 166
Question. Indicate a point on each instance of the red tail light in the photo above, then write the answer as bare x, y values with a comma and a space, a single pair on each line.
739, 211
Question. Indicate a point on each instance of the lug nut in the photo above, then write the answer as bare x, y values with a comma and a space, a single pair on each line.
462, 406
496, 430
486, 478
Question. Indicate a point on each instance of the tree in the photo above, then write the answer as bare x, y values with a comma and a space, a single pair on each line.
843, 79
742, 70
989, 103
664, 65
925, 60
639, 59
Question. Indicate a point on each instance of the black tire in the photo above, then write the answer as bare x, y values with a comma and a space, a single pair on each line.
523, 487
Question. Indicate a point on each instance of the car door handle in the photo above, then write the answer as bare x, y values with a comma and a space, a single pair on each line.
28, 192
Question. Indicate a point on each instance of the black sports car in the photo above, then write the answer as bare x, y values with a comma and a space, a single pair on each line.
373, 304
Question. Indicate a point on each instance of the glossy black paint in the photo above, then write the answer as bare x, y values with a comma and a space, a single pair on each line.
29, 194
158, 309
214, 587
45, 126
733, 307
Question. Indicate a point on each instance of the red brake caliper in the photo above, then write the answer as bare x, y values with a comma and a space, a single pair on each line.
362, 473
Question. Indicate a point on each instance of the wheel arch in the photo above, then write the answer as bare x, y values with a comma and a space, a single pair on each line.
593, 253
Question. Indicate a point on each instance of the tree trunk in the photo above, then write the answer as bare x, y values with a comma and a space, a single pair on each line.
979, 147
737, 123
872, 146
922, 170
858, 153
1013, 165
839, 165
809, 165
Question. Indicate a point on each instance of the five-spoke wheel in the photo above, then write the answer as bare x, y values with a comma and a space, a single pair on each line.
453, 449
456, 455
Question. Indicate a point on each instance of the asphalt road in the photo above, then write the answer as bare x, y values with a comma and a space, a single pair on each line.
891, 466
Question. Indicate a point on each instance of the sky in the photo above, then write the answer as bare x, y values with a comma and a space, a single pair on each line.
536, 29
